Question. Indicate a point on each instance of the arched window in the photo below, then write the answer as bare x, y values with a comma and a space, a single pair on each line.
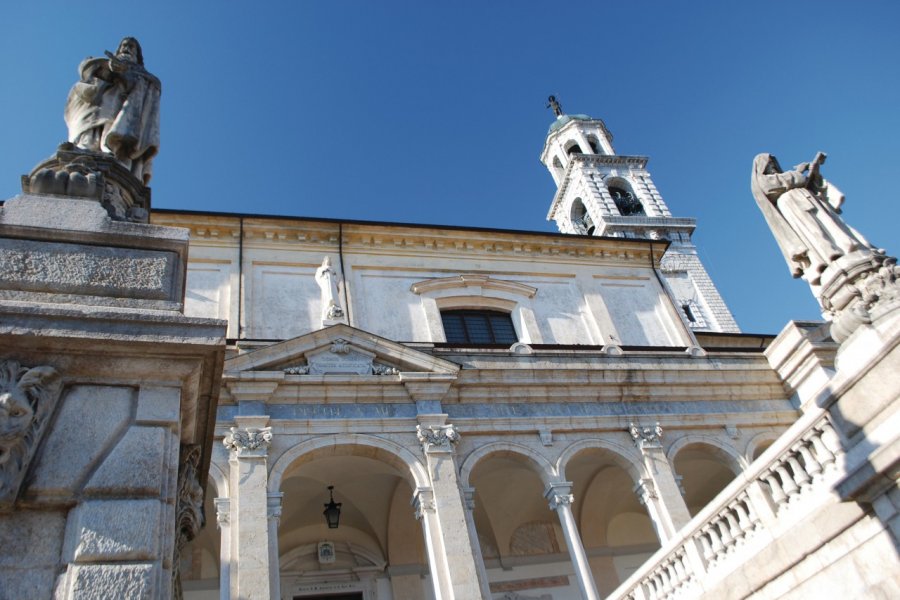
478, 327
581, 219
595, 144
574, 148
626, 201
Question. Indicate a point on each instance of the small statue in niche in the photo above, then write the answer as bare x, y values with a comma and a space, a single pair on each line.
328, 283
114, 108
802, 209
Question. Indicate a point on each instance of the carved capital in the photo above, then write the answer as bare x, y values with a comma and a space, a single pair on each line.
646, 437
28, 399
441, 438
249, 441
273, 506
422, 501
223, 511
559, 494
645, 490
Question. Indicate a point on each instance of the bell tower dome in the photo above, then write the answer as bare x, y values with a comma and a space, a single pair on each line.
602, 193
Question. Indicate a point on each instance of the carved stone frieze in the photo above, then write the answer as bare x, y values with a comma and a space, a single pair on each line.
28, 398
248, 440
440, 438
646, 437
189, 509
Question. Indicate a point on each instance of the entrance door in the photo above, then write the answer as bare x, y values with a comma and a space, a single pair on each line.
342, 596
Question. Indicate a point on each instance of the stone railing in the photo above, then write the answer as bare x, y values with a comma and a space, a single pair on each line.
787, 482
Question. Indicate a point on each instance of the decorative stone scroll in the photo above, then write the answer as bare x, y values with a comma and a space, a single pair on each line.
28, 398
440, 438
189, 509
646, 437
248, 440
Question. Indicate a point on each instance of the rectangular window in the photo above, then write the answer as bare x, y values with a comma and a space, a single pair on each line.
478, 327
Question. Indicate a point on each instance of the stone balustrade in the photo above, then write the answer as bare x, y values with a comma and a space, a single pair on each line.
785, 484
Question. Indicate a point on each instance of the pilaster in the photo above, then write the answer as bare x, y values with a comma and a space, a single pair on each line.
223, 523
460, 549
659, 491
250, 547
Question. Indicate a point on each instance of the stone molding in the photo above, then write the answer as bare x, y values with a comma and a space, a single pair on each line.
273, 506
28, 399
646, 490
440, 438
248, 441
223, 512
468, 280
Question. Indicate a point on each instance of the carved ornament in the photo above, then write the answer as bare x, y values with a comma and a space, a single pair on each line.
646, 437
437, 439
248, 439
189, 509
28, 398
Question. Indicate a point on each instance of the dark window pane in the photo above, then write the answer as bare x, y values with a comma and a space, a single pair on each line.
453, 328
478, 327
503, 329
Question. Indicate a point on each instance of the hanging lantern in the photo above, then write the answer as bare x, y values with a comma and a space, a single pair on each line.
332, 510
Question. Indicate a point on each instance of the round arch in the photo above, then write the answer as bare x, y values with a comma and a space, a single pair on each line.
541, 466
622, 455
349, 444
760, 440
218, 479
731, 457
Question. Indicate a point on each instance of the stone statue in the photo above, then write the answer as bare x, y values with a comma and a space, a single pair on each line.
327, 280
114, 108
802, 210
854, 282
553, 103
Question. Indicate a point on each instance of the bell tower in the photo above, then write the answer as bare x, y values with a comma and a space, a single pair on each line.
602, 193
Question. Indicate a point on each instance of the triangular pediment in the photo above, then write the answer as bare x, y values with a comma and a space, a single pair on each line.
339, 350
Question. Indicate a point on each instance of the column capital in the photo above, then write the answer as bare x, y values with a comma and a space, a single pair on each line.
273, 505
646, 437
223, 511
645, 490
558, 494
437, 438
422, 502
248, 441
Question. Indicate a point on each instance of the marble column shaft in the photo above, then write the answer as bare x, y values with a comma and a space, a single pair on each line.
560, 499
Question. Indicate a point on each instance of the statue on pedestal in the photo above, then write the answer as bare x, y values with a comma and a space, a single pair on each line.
853, 281
331, 303
112, 114
114, 108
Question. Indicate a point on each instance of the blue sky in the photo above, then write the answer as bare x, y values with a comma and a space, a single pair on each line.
435, 112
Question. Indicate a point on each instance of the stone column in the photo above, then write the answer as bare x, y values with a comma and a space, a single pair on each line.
223, 522
659, 491
464, 579
274, 517
559, 495
249, 443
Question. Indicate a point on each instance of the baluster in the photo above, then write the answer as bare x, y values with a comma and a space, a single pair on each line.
716, 541
733, 526
743, 514
681, 569
800, 476
787, 481
727, 539
706, 545
823, 454
778, 495
830, 437
809, 461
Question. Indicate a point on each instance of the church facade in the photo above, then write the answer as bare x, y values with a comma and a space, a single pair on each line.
501, 414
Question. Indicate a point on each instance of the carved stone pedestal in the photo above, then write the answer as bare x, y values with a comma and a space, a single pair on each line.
110, 394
